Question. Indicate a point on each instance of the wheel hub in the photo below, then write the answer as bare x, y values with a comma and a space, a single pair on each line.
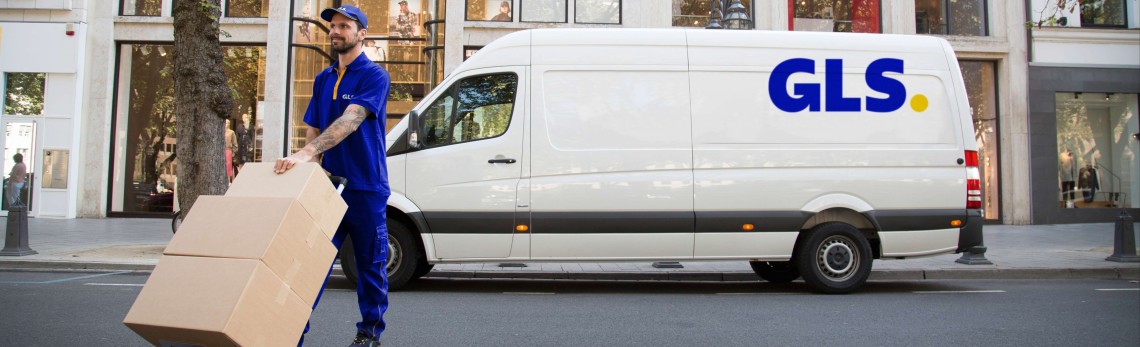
394, 256
837, 258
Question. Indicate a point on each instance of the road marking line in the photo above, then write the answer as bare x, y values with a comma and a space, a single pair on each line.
527, 293
771, 293
68, 279
958, 291
1118, 289
115, 284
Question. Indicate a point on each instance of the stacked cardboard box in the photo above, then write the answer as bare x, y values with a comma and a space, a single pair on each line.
244, 269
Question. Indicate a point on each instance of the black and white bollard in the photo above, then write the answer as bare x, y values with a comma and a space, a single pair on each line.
1124, 246
16, 242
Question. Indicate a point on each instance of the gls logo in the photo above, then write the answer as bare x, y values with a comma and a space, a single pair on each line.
808, 95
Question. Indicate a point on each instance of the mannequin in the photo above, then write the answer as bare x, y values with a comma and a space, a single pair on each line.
1068, 180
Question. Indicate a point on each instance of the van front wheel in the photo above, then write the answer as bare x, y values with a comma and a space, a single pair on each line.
776, 271
835, 259
402, 255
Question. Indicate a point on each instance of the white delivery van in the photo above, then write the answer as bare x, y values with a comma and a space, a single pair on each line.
806, 154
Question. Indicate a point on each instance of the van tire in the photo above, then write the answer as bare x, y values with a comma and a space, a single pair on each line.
776, 271
403, 257
835, 258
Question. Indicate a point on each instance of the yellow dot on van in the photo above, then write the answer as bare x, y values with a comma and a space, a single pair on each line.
919, 103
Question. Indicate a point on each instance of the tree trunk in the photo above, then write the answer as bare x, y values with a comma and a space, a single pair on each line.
202, 100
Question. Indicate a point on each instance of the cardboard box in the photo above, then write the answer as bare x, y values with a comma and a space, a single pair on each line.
305, 182
217, 302
276, 231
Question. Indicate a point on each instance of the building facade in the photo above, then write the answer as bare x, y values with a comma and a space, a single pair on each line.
104, 137
1084, 78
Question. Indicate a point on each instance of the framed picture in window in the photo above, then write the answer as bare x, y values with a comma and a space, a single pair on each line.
376, 49
404, 19
491, 10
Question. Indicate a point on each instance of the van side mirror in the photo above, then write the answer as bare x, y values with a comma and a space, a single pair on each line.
413, 130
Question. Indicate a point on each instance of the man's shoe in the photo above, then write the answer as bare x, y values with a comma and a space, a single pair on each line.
363, 340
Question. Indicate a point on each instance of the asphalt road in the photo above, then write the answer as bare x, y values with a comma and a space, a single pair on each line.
65, 308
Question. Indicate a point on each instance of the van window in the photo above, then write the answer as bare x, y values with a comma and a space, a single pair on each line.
477, 108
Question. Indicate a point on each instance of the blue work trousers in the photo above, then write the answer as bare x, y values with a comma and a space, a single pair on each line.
366, 223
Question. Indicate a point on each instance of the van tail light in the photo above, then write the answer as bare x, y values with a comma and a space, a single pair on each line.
973, 182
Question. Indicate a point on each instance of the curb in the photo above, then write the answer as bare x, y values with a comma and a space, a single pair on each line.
1130, 273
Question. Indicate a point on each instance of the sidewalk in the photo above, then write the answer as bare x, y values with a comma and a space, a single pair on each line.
1018, 252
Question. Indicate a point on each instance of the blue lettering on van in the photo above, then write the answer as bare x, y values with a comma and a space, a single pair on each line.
808, 96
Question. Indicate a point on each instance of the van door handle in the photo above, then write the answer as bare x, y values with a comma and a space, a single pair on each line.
501, 161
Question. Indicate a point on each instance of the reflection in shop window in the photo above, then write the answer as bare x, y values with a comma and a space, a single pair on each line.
950, 17
542, 11
695, 13
1097, 162
597, 11
145, 158
859, 16
1104, 13
981, 88
490, 10
247, 8
140, 8
24, 93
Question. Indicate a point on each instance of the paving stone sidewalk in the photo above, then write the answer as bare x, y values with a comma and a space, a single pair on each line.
1017, 251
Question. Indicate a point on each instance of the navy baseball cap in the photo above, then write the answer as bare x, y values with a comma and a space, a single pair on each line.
352, 12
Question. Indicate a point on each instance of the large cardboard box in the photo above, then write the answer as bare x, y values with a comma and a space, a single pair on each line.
217, 302
305, 182
276, 231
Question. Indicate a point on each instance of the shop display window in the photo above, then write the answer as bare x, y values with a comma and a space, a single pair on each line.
247, 8
695, 13
145, 160
950, 17
1097, 164
151, 8
597, 11
981, 87
492, 10
24, 93
542, 11
858, 16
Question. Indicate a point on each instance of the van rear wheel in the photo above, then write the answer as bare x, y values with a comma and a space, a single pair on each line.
835, 259
776, 271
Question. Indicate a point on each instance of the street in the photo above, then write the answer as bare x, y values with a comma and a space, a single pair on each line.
87, 308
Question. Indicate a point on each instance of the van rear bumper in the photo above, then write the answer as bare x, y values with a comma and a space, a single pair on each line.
971, 234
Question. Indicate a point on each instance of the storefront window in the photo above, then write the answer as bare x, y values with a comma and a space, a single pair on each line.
397, 40
140, 8
951, 17
695, 13
491, 10
247, 8
24, 93
145, 161
597, 11
981, 88
1108, 13
1097, 150
543, 11
859, 16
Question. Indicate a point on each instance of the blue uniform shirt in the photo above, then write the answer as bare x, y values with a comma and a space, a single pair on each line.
360, 157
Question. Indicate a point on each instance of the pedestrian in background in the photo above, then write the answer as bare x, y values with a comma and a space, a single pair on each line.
16, 179
346, 135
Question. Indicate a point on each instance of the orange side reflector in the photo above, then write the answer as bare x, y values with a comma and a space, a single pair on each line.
956, 223
748, 227
522, 228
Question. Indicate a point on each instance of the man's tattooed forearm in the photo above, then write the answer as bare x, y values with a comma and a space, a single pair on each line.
339, 129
